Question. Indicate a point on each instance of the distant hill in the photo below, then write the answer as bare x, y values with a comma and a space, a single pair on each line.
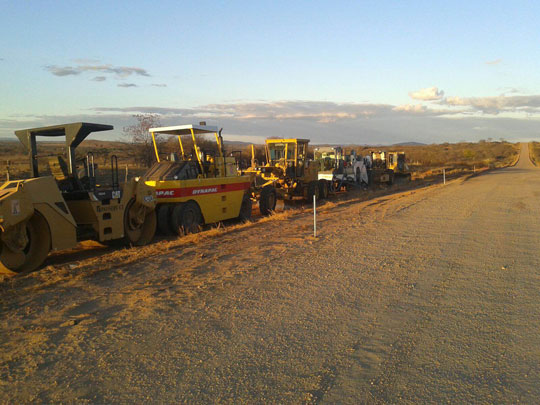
410, 144
238, 143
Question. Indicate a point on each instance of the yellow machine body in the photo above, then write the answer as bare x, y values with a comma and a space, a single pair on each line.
287, 169
218, 198
45, 213
211, 182
389, 167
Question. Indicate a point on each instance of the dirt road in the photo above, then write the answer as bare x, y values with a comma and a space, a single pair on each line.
427, 296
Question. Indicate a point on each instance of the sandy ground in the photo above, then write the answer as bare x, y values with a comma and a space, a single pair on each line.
427, 296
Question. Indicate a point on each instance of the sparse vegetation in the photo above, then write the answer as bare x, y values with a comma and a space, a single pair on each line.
141, 139
534, 152
422, 159
425, 158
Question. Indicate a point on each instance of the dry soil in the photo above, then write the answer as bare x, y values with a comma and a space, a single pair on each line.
427, 296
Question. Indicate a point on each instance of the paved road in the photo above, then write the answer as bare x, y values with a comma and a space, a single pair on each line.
427, 296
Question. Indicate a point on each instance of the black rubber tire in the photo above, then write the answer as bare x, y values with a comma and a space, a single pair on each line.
186, 218
313, 190
164, 212
332, 186
267, 200
36, 250
323, 189
246, 208
176, 219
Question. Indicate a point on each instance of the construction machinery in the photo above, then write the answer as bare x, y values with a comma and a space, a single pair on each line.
199, 187
288, 173
54, 212
340, 170
388, 167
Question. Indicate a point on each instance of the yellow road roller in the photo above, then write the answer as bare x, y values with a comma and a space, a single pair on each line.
196, 187
56, 209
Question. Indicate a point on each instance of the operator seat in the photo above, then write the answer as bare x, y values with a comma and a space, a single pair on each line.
290, 172
68, 185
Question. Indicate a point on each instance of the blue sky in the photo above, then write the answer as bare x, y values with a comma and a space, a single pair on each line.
350, 72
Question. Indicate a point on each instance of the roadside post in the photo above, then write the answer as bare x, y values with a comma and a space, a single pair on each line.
314, 216
125, 181
444, 175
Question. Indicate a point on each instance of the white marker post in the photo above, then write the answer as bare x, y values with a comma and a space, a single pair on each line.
444, 176
314, 216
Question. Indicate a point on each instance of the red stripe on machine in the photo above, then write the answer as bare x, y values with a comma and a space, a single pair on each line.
195, 191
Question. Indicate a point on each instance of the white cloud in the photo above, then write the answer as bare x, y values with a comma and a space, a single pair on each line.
350, 123
427, 94
414, 108
497, 104
127, 85
494, 62
119, 71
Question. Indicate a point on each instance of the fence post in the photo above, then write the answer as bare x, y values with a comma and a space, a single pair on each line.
314, 216
125, 181
444, 175
7, 170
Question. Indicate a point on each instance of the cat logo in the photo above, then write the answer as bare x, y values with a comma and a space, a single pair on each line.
15, 207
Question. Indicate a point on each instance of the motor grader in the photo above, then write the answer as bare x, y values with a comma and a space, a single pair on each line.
196, 188
388, 167
54, 212
288, 173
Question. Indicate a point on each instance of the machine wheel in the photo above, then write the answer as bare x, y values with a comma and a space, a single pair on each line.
332, 186
35, 251
139, 224
267, 200
176, 219
323, 189
313, 190
391, 179
164, 219
186, 218
245, 209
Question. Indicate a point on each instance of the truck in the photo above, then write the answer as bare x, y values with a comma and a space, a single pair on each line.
341, 170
